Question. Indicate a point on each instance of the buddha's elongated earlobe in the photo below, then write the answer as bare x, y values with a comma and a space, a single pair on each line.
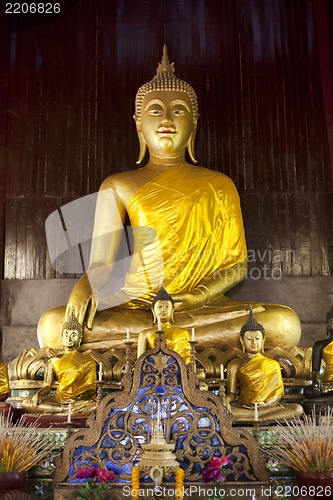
190, 144
242, 343
154, 316
142, 142
143, 148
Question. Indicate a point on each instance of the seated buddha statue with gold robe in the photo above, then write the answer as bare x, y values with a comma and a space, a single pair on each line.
322, 353
177, 339
75, 373
188, 233
254, 384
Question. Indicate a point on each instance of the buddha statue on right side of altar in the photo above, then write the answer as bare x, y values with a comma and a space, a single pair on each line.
75, 373
188, 233
322, 351
254, 381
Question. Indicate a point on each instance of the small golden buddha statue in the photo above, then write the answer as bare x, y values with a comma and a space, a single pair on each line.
188, 233
75, 373
176, 338
322, 352
254, 385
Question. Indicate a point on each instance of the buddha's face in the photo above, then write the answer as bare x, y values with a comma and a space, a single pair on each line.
166, 122
70, 338
163, 309
253, 341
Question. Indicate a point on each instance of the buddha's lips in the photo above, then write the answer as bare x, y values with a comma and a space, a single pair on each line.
163, 130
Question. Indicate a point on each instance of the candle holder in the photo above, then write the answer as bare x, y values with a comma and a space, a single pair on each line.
128, 359
99, 396
256, 433
69, 428
222, 382
192, 364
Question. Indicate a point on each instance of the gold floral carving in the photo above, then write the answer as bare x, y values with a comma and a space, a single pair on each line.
199, 425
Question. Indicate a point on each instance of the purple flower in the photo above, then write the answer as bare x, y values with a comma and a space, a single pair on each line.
212, 474
219, 462
105, 475
86, 472
214, 471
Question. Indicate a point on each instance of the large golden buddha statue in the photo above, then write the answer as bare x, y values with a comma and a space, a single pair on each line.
188, 233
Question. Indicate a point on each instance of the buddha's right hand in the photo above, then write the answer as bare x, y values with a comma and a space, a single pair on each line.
82, 302
35, 400
195, 299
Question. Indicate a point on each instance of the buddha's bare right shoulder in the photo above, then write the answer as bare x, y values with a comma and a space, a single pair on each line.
120, 179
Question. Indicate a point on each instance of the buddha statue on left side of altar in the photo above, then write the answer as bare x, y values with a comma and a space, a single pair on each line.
75, 373
254, 382
322, 351
176, 338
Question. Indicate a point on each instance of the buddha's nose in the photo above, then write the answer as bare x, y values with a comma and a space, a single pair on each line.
166, 117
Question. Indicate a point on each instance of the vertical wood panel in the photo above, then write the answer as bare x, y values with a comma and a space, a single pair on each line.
254, 65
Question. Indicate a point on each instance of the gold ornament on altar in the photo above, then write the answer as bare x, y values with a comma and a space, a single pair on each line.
158, 451
160, 418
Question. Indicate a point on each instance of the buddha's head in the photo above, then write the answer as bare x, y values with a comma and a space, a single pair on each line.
163, 306
252, 335
72, 332
166, 114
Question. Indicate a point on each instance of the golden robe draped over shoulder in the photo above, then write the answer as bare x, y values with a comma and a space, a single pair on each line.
177, 339
187, 224
260, 380
4, 384
328, 358
76, 374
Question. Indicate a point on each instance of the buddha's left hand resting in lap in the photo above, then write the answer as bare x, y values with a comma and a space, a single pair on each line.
256, 379
75, 373
188, 233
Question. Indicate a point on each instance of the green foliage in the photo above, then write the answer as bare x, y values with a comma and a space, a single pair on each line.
93, 491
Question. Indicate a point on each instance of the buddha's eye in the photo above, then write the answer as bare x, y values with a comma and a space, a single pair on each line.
179, 111
155, 112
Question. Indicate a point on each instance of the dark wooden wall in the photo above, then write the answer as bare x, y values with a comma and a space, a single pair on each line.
68, 84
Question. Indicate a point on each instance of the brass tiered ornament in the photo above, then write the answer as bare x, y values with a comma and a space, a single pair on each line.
158, 451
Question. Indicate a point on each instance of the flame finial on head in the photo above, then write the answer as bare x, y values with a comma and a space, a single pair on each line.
162, 294
251, 324
73, 324
165, 79
165, 64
